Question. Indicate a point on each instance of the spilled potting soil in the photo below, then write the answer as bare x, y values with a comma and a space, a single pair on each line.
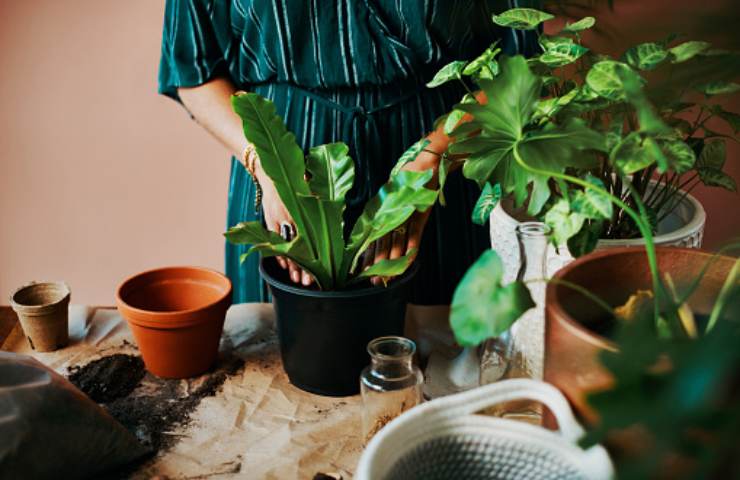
148, 406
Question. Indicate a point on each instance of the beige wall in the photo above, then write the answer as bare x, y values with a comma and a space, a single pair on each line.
99, 176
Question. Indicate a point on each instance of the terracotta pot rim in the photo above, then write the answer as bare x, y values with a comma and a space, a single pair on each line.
43, 309
579, 329
172, 319
403, 279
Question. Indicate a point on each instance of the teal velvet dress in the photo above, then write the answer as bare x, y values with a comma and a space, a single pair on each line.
351, 71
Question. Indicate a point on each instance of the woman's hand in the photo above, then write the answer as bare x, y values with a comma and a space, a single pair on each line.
276, 215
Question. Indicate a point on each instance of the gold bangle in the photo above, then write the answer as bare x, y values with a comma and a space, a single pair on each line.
249, 159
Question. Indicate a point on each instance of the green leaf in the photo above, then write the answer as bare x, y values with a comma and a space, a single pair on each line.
633, 154
280, 156
409, 155
388, 267
451, 71
563, 221
332, 171
562, 54
590, 203
718, 88
584, 242
522, 18
482, 307
605, 79
453, 118
687, 51
681, 157
328, 223
487, 201
583, 24
713, 155
248, 233
395, 203
709, 166
484, 61
646, 56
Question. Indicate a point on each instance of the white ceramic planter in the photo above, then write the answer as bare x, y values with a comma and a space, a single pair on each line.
683, 227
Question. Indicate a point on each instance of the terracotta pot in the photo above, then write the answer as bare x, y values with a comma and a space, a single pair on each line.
43, 312
176, 315
575, 333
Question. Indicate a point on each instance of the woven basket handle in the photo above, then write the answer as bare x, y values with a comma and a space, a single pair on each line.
481, 398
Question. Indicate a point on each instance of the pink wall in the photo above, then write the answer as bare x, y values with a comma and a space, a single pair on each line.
100, 177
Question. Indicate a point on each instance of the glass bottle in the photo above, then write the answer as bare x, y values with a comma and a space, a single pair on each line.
519, 352
390, 385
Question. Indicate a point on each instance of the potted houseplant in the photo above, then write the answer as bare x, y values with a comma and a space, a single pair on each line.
577, 111
324, 330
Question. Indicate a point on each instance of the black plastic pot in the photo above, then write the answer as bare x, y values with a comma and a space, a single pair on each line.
324, 335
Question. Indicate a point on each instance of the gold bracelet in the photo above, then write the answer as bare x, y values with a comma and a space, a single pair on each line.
249, 159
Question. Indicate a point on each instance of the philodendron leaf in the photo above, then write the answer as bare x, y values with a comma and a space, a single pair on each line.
521, 18
634, 153
410, 155
646, 56
605, 80
591, 203
482, 307
562, 54
332, 171
482, 61
718, 88
451, 71
487, 201
709, 166
563, 221
687, 51
583, 24
584, 242
681, 157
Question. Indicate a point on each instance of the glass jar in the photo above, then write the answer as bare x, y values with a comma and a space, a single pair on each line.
390, 385
519, 352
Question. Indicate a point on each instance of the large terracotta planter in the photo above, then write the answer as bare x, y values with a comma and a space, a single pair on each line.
176, 315
574, 331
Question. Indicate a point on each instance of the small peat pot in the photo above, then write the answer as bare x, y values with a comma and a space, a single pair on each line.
576, 331
324, 335
43, 311
176, 315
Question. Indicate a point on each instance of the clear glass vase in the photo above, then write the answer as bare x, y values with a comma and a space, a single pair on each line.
520, 351
390, 385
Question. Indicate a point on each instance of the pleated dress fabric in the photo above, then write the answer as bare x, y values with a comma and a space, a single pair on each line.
344, 70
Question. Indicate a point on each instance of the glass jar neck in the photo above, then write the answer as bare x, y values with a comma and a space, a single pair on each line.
391, 354
532, 239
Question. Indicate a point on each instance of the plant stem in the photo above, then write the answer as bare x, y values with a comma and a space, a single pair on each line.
574, 286
645, 228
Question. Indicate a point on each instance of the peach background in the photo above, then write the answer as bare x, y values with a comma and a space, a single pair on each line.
100, 177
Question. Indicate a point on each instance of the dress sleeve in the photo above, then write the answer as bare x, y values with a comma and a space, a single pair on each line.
191, 54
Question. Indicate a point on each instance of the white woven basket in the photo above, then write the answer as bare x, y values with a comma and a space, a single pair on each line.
446, 439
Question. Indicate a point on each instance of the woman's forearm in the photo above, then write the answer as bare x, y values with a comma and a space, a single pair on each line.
210, 105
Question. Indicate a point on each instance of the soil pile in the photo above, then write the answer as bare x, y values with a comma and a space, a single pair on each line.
148, 406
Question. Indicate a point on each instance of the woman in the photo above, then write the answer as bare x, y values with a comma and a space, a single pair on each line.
341, 70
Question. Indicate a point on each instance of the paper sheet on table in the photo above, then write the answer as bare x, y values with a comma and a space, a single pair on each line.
257, 426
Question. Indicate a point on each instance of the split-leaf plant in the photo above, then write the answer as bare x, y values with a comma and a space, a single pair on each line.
313, 189
608, 121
